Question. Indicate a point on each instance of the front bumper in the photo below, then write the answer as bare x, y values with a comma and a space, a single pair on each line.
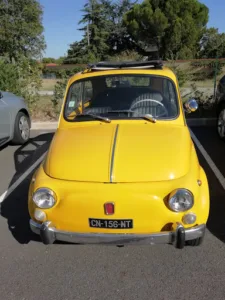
49, 234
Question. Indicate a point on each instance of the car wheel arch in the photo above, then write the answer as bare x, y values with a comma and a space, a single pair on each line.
25, 111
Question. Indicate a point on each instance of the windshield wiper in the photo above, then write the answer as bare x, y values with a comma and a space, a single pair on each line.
96, 117
148, 117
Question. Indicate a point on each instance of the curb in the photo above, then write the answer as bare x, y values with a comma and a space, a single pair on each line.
44, 125
45, 93
191, 122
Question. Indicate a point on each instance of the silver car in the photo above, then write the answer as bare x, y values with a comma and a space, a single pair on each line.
15, 120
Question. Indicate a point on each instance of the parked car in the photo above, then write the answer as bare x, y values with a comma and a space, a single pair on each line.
122, 167
220, 100
14, 119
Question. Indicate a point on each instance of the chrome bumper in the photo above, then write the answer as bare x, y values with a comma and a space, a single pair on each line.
49, 234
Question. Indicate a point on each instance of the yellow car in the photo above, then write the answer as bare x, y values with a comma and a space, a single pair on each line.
122, 167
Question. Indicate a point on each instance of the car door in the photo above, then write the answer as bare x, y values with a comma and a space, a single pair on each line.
4, 119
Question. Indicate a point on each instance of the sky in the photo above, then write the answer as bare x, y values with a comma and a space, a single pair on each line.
61, 18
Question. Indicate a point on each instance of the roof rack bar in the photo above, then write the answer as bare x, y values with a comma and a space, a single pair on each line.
157, 64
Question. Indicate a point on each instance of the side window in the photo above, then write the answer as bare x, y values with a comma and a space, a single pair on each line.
88, 92
166, 89
171, 92
74, 99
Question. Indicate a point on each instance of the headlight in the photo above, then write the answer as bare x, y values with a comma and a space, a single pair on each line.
44, 198
181, 200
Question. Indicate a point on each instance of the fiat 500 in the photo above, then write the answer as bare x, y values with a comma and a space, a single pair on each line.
122, 167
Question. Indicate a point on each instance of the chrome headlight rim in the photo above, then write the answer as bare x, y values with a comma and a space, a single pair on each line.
47, 191
180, 190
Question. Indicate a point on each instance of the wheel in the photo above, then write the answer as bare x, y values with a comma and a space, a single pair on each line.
21, 129
195, 242
221, 123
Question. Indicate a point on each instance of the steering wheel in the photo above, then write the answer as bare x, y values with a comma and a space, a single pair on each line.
155, 101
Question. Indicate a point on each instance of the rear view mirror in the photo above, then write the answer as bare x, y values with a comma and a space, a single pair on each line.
191, 106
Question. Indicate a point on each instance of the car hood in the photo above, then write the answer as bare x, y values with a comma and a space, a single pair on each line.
120, 153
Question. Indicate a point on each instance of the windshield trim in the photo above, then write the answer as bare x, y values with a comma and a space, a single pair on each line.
124, 118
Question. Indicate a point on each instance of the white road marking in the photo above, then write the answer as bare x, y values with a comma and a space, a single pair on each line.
21, 178
210, 162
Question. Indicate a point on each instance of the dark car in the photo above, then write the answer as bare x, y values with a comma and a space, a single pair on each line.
220, 100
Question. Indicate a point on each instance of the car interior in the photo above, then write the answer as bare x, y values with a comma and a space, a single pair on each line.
114, 96
123, 96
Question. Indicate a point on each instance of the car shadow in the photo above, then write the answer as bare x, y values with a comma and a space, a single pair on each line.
15, 206
4, 146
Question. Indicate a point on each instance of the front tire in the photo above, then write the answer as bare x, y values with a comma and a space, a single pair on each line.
221, 123
21, 129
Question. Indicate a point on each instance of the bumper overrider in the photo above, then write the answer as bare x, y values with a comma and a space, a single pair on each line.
49, 234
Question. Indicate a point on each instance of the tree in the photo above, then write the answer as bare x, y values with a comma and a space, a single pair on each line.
212, 44
21, 29
93, 46
174, 26
118, 39
60, 60
21, 45
77, 53
95, 29
21, 78
47, 60
104, 32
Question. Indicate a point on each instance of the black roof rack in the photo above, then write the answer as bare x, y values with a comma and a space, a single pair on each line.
104, 65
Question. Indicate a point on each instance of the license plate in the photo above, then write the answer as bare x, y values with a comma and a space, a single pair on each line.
114, 224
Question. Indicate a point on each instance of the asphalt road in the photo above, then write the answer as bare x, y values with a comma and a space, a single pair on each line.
30, 270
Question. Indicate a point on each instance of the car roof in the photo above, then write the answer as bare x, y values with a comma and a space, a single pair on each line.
153, 67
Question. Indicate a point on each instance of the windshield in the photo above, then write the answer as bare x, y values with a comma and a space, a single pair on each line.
121, 97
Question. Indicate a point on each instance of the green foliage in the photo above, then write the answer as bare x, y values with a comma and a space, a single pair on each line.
118, 39
21, 29
182, 75
60, 60
93, 46
104, 32
204, 101
175, 26
58, 96
22, 78
60, 86
47, 60
21, 42
63, 70
212, 44
126, 55
207, 69
76, 54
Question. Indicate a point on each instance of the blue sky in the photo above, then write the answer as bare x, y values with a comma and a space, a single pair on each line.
61, 19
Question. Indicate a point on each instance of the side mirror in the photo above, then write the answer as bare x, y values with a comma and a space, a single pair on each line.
1, 96
191, 106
